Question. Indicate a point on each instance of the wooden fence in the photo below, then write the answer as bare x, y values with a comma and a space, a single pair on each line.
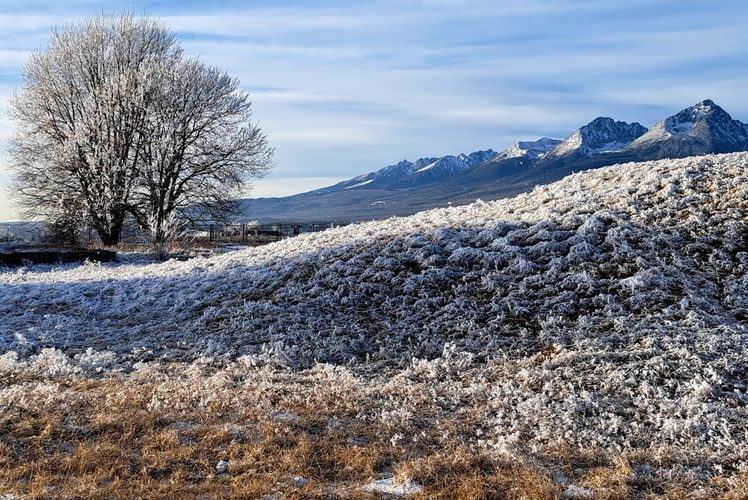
246, 234
253, 233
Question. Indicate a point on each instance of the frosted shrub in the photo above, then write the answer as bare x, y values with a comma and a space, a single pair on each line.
9, 363
91, 360
52, 362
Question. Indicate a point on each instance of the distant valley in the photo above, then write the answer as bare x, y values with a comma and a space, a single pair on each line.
408, 187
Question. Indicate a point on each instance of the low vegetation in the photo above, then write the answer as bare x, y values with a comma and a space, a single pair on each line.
161, 431
585, 340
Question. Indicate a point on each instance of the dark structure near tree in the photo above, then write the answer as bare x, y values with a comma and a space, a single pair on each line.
23, 257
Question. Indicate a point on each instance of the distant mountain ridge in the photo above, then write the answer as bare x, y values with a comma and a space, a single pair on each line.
408, 187
406, 173
529, 149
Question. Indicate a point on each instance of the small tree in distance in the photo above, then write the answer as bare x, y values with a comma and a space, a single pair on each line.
113, 120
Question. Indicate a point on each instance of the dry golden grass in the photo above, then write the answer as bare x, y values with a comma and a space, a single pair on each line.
160, 434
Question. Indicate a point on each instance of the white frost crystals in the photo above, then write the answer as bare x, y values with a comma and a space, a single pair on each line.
391, 486
222, 467
605, 310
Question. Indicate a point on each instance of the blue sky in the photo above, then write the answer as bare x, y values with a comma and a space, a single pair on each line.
347, 87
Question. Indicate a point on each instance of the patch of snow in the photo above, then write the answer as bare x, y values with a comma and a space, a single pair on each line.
364, 183
570, 144
608, 147
656, 134
513, 151
285, 417
529, 149
392, 486
679, 128
427, 167
578, 493
299, 481
222, 467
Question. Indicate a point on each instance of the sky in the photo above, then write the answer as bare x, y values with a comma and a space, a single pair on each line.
345, 87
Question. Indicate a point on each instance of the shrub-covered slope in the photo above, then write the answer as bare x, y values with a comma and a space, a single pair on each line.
632, 255
605, 312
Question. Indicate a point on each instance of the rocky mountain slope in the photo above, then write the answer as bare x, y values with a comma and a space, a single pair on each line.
407, 174
515, 159
442, 168
599, 137
700, 129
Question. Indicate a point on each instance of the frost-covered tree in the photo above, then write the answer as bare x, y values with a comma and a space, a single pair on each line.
79, 117
201, 150
113, 119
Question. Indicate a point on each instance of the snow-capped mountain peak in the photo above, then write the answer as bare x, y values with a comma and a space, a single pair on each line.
528, 149
683, 123
601, 135
398, 170
700, 129
604, 135
448, 165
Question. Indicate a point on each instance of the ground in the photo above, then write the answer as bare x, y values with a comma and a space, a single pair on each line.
584, 340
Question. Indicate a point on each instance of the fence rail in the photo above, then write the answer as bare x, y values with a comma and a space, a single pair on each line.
253, 233
246, 234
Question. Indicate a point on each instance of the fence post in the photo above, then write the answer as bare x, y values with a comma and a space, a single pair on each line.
211, 230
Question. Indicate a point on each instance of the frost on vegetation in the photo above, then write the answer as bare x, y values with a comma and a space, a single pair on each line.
222, 467
617, 297
577, 492
391, 486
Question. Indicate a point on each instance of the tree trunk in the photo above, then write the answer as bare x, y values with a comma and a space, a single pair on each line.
109, 231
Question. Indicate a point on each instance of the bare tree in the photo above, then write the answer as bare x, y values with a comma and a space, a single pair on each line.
113, 120
201, 152
80, 112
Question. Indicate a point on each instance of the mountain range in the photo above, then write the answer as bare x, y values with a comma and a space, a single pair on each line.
409, 187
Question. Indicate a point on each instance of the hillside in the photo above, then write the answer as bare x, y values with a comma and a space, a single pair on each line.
604, 315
